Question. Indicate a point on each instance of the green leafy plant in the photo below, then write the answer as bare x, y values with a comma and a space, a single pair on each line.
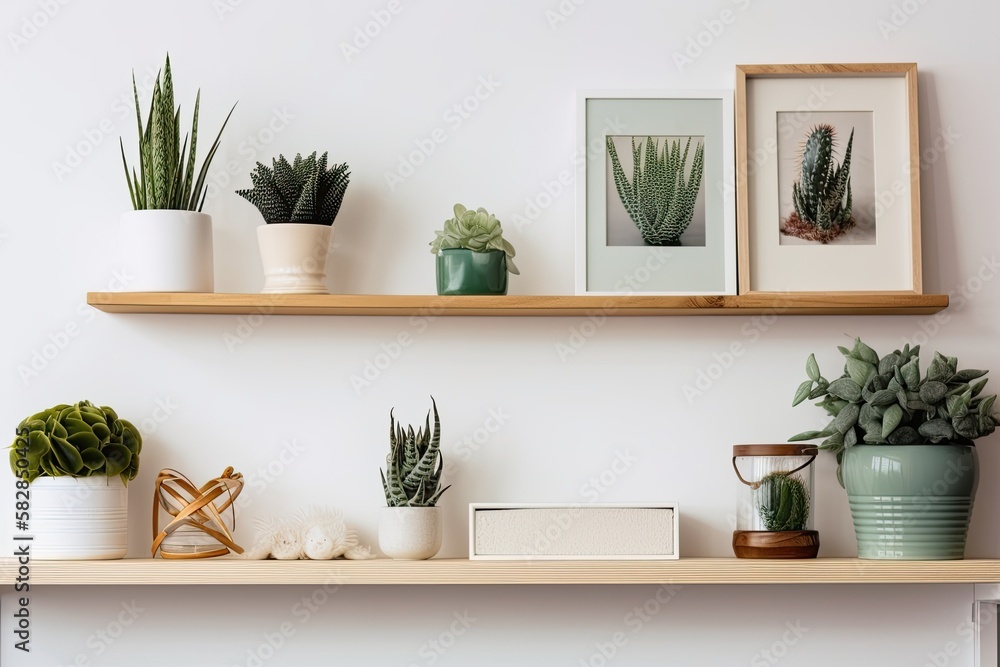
413, 467
478, 231
80, 440
885, 400
822, 195
166, 177
659, 199
305, 191
782, 501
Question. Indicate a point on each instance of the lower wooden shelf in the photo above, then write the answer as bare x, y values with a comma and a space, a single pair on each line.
147, 571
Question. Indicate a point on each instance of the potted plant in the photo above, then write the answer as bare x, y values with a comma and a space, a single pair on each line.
659, 199
299, 202
167, 240
472, 255
74, 463
904, 447
410, 525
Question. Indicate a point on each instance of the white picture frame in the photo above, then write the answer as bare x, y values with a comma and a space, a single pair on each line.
614, 261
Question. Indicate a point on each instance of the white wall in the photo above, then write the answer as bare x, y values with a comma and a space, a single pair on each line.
566, 419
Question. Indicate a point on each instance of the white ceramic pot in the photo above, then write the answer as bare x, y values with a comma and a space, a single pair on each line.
78, 518
167, 251
409, 533
294, 257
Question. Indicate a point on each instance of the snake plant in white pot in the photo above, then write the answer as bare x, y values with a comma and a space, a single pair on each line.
167, 240
410, 526
299, 201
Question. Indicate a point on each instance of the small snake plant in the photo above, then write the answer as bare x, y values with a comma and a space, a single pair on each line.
413, 467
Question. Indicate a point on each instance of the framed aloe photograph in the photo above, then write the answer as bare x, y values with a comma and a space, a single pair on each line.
828, 178
656, 210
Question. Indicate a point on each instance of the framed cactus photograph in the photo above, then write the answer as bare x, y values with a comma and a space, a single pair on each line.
655, 193
828, 177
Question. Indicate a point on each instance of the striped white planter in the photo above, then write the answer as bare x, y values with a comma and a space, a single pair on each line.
78, 518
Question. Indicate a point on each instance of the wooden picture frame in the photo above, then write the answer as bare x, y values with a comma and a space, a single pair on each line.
614, 255
876, 249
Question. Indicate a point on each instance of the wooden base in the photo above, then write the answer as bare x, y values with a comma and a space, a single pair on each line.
778, 544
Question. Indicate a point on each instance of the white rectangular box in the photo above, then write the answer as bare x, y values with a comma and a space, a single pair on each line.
591, 531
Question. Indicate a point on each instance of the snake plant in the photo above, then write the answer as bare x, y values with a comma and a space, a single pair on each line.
413, 467
166, 177
305, 191
80, 440
822, 195
782, 501
660, 200
478, 231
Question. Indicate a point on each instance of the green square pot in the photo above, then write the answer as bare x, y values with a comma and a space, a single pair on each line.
465, 272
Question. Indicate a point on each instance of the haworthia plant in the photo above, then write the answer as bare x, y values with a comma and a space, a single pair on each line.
305, 191
822, 195
782, 501
660, 199
166, 177
80, 440
413, 467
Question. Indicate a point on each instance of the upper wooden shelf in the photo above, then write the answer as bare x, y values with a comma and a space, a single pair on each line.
142, 571
758, 303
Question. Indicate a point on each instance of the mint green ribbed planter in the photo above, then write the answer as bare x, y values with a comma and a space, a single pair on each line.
911, 502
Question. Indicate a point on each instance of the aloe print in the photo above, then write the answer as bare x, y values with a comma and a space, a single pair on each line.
660, 199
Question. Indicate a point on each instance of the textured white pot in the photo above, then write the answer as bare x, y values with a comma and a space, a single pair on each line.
294, 257
78, 518
167, 251
409, 533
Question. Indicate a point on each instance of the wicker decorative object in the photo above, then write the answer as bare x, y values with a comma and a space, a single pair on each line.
201, 509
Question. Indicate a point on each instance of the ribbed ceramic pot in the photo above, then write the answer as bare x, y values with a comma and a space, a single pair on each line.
294, 257
79, 518
409, 533
911, 502
464, 272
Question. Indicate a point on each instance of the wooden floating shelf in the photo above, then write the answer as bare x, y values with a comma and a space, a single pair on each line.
758, 303
147, 571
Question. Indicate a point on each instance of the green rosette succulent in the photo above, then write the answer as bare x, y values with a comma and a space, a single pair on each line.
81, 440
478, 231
412, 477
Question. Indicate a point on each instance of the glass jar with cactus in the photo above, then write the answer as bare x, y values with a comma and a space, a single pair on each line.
904, 443
410, 524
299, 201
473, 257
167, 240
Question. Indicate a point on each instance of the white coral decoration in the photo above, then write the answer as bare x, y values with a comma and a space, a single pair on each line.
316, 534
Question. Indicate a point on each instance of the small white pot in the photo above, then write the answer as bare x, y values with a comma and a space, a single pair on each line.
78, 518
409, 533
167, 251
294, 257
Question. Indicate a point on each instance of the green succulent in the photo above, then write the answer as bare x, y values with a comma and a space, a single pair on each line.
659, 199
413, 467
80, 440
478, 231
166, 178
822, 195
782, 501
305, 191
884, 400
